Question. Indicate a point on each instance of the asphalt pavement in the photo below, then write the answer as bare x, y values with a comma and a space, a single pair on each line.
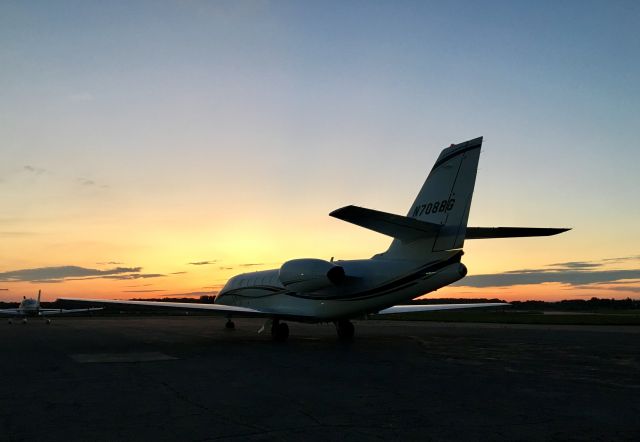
187, 378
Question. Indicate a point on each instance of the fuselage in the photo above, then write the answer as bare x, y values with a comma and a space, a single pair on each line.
370, 285
29, 307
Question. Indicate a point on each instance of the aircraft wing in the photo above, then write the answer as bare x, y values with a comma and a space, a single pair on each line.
64, 311
11, 312
157, 305
435, 307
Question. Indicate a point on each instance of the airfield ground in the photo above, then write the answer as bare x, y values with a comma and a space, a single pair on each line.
187, 378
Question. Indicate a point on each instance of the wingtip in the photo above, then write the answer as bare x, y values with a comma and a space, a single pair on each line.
336, 213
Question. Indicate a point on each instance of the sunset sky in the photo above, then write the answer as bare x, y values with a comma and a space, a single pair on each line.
158, 148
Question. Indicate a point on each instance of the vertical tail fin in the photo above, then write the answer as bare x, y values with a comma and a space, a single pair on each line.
39, 292
445, 199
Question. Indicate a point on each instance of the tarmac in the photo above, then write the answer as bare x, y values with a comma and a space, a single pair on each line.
188, 379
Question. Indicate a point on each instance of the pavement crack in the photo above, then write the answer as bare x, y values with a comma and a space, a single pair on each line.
184, 398
310, 416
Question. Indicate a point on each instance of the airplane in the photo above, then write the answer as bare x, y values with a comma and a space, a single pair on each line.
30, 307
424, 255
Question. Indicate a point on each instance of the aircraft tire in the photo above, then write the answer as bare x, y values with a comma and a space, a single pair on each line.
345, 329
230, 325
280, 331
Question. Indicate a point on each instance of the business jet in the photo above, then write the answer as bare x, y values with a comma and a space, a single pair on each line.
424, 255
30, 307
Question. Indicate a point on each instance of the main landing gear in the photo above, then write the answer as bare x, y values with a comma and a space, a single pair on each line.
345, 329
279, 330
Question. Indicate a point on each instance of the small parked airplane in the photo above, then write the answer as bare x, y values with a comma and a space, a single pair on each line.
30, 307
424, 256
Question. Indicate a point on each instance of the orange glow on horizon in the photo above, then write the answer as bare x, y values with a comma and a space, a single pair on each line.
182, 286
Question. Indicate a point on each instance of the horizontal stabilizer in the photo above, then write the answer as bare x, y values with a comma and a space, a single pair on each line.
401, 227
434, 307
410, 229
510, 232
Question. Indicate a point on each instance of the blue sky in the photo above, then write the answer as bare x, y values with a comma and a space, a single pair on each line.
156, 133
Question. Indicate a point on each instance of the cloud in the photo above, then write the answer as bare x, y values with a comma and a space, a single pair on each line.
74, 273
90, 183
577, 265
202, 263
620, 282
634, 289
624, 258
135, 276
189, 294
35, 170
115, 263
62, 272
623, 285
587, 265
143, 291
4, 290
178, 273
52, 281
249, 264
581, 277
578, 274
86, 182
625, 282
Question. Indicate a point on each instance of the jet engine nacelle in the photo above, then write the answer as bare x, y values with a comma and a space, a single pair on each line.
307, 274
